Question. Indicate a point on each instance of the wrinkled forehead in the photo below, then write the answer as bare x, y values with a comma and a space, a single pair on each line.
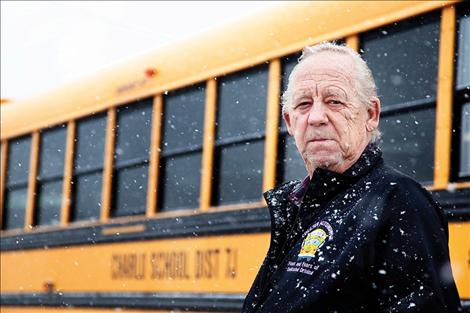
325, 67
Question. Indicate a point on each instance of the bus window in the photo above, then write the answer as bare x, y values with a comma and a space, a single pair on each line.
240, 179
410, 134
463, 87
131, 190
239, 152
88, 168
49, 199
181, 147
16, 182
294, 167
403, 59
463, 53
131, 158
50, 174
465, 142
287, 65
291, 166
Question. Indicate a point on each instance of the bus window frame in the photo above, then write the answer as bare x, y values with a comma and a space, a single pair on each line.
40, 180
133, 163
166, 154
460, 98
32, 182
68, 205
208, 145
154, 158
68, 174
436, 101
3, 169
237, 140
6, 185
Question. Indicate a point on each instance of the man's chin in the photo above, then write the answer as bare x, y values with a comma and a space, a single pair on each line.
329, 162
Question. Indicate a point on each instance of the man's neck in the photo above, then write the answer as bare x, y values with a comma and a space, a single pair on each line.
341, 166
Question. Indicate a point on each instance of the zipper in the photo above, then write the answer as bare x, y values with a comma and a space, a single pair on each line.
270, 270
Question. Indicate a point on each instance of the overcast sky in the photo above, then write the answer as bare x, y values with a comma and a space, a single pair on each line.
45, 44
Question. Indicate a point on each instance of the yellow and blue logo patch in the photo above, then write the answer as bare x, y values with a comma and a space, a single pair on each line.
312, 243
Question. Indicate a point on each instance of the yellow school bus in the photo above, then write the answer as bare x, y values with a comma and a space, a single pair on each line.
140, 188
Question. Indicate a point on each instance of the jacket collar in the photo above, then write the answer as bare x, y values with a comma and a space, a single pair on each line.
325, 182
283, 200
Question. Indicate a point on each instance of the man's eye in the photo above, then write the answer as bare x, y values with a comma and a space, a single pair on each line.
335, 102
302, 105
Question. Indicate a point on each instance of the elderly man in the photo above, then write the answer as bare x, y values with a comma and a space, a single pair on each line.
355, 235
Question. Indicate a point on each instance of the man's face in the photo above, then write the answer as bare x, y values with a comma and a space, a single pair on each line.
330, 126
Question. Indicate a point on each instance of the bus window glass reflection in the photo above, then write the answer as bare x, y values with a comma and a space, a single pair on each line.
241, 114
463, 52
181, 146
290, 164
16, 182
462, 90
88, 168
403, 58
131, 157
465, 142
50, 176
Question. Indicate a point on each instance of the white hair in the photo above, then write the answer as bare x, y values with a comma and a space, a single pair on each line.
364, 81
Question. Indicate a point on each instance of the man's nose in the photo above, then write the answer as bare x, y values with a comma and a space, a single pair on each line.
317, 115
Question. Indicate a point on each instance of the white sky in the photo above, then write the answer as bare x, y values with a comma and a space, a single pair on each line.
45, 44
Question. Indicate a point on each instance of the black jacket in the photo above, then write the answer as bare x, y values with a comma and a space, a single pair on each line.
368, 240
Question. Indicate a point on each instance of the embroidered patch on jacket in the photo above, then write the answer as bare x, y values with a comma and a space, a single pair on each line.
312, 242
315, 237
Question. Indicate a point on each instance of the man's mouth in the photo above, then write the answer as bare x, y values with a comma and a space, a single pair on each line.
319, 139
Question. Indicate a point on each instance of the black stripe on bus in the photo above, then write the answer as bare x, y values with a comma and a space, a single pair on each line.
455, 203
206, 224
465, 306
220, 302
161, 301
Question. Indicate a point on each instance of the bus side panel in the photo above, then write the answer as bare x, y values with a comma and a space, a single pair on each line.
207, 264
459, 245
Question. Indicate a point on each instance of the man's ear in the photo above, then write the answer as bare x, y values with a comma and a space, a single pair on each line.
373, 114
286, 116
